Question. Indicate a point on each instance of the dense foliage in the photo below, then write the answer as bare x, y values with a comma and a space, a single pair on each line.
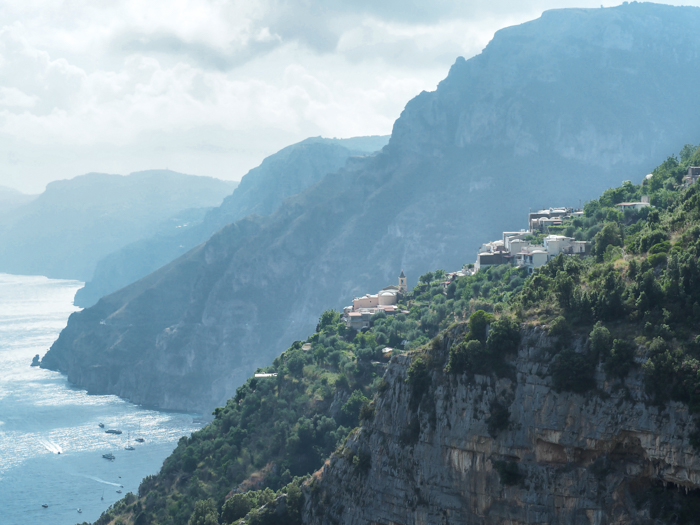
277, 429
632, 303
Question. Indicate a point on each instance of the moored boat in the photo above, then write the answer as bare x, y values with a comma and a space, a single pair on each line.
108, 456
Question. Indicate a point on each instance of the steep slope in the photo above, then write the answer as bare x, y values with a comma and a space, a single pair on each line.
552, 111
567, 396
560, 457
261, 191
68, 228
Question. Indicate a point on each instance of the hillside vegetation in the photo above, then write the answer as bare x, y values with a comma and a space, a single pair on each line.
635, 300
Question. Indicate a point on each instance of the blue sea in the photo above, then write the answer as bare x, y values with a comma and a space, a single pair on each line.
50, 443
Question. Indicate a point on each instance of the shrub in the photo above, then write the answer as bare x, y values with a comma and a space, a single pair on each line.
350, 411
601, 341
573, 372
205, 513
504, 337
621, 358
658, 259
559, 328
469, 356
478, 323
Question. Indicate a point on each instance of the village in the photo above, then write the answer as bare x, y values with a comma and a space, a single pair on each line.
528, 248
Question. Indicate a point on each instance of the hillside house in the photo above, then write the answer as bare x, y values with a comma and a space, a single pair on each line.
358, 315
636, 206
539, 220
531, 257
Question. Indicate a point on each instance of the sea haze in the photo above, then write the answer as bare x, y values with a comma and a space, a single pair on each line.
41, 415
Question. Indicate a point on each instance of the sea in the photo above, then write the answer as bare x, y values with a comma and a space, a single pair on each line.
51, 444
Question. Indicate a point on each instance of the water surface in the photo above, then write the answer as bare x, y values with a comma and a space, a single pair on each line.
41, 414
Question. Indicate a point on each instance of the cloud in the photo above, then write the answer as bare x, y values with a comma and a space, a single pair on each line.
211, 86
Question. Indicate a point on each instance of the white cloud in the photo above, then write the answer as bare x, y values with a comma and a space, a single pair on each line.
211, 86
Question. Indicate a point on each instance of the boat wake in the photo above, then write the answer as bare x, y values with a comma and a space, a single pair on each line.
51, 447
94, 478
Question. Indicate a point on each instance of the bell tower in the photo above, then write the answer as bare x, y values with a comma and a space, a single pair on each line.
402, 283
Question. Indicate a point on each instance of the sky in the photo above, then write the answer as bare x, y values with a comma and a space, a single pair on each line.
211, 87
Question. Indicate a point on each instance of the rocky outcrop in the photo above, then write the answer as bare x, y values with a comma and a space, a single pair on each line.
552, 112
604, 457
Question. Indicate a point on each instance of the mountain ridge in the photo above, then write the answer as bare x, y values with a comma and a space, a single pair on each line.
260, 191
65, 230
498, 134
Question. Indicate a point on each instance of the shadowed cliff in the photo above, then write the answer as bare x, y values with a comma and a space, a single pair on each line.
261, 191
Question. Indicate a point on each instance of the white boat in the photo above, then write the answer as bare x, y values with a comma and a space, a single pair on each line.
128, 444
80, 511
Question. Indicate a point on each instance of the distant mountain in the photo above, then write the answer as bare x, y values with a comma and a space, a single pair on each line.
11, 199
552, 112
64, 231
261, 191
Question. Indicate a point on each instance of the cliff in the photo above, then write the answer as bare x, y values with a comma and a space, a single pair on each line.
260, 192
569, 395
560, 457
552, 112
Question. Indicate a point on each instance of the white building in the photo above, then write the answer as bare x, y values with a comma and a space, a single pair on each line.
632, 205
363, 308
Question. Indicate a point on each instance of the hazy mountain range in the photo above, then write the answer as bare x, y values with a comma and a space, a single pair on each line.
11, 199
64, 231
550, 113
261, 191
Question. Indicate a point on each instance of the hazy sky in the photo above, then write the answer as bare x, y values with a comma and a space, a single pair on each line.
210, 87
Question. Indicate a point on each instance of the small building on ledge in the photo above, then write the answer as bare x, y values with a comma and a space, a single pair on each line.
636, 206
363, 308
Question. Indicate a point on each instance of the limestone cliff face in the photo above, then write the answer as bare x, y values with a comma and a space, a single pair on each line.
569, 458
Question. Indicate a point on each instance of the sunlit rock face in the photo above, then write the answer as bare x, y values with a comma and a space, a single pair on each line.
552, 113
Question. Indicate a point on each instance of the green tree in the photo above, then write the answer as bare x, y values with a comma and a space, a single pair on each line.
504, 337
563, 289
350, 411
610, 235
621, 358
205, 513
478, 323
329, 319
601, 341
